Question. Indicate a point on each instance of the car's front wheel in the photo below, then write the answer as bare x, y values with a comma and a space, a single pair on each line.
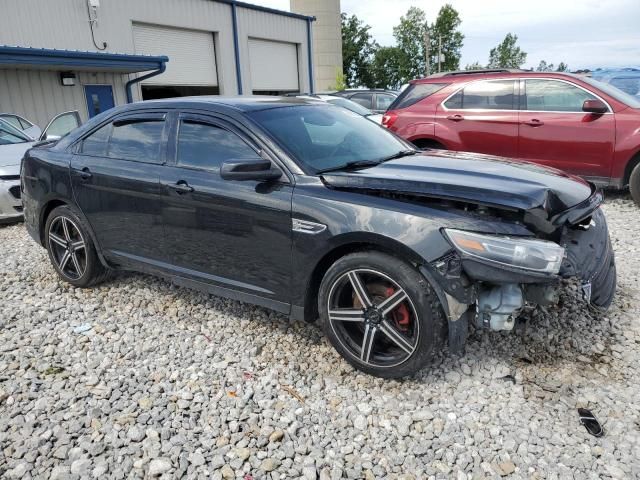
71, 249
380, 314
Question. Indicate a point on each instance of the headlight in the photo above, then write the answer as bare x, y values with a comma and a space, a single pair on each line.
526, 253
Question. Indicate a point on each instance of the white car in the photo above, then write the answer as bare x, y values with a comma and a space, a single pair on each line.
348, 104
13, 144
22, 124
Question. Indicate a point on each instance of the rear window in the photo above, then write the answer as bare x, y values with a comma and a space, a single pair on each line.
414, 93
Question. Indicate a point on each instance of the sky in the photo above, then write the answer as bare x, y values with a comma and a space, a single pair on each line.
581, 33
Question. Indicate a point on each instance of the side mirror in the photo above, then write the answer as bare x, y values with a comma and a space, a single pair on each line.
249, 169
594, 106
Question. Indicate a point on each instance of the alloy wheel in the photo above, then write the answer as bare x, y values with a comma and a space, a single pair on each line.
373, 318
68, 247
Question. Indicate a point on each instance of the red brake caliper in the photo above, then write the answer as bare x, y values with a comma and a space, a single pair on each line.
400, 314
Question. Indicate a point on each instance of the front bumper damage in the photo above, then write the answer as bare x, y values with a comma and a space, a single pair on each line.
492, 297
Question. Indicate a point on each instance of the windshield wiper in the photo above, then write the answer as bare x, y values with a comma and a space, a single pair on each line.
400, 154
351, 166
368, 163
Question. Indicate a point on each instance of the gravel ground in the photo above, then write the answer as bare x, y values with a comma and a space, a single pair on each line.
139, 378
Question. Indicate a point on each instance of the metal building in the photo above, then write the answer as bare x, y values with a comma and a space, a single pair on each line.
89, 55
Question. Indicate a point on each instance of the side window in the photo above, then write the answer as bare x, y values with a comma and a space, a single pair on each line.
554, 96
384, 100
364, 99
95, 144
138, 140
25, 123
202, 145
491, 95
13, 121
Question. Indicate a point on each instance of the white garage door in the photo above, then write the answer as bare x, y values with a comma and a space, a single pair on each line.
274, 65
192, 57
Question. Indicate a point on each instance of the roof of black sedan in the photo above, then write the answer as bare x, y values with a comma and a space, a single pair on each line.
242, 103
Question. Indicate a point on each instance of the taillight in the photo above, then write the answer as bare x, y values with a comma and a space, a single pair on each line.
388, 119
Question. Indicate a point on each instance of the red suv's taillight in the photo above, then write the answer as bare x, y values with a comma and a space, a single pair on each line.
389, 118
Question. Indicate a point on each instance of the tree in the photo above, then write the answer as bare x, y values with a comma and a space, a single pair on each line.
358, 48
474, 66
543, 66
386, 67
446, 28
409, 35
507, 54
562, 67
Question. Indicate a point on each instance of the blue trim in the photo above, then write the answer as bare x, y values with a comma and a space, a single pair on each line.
129, 84
236, 46
310, 54
260, 8
71, 58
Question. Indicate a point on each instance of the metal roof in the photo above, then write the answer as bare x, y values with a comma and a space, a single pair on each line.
51, 59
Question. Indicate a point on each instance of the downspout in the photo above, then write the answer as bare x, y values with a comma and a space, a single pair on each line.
130, 83
236, 46
310, 54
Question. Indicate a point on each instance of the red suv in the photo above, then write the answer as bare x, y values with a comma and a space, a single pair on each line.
565, 121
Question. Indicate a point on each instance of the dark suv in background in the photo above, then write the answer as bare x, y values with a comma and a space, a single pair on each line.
376, 100
573, 123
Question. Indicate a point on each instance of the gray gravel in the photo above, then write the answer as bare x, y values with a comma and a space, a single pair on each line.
139, 378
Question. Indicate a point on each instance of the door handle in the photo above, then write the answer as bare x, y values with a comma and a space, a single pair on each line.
455, 118
181, 187
534, 122
85, 174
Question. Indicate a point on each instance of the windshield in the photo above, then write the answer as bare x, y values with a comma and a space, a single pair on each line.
614, 92
349, 105
324, 137
9, 134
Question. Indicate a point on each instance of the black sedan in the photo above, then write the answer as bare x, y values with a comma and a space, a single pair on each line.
316, 212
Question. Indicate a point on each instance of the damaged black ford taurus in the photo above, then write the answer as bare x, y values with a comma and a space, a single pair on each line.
316, 212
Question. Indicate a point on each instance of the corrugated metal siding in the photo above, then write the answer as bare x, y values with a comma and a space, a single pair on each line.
38, 95
63, 24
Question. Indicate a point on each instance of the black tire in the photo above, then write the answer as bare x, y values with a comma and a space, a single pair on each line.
74, 263
634, 184
385, 277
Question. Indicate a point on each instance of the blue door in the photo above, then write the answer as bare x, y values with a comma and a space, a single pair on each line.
99, 98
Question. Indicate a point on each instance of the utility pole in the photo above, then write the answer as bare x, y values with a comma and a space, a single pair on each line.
427, 45
439, 51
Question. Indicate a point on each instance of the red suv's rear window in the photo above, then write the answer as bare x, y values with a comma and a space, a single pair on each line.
414, 93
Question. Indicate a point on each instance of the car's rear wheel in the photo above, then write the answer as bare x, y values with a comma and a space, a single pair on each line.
380, 314
634, 184
71, 250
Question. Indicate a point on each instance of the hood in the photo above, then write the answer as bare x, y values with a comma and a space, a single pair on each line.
11, 155
480, 179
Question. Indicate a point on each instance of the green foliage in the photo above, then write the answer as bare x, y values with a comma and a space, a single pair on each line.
474, 66
543, 66
358, 48
409, 35
562, 67
386, 68
365, 63
446, 27
507, 54
340, 81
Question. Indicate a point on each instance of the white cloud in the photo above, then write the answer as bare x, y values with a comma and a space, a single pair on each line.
582, 33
